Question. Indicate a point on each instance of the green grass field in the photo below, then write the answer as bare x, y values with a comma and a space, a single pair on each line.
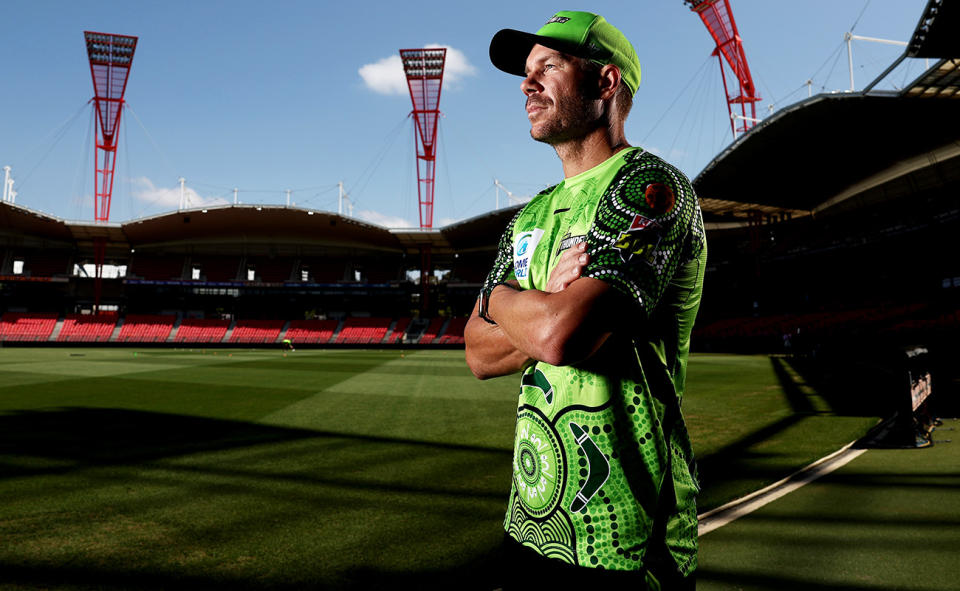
247, 469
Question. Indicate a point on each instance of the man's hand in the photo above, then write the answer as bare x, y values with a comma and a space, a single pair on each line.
568, 269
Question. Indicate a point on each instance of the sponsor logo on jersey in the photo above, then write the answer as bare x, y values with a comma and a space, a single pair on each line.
523, 248
639, 241
567, 241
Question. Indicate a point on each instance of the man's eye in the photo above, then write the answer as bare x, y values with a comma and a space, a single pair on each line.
548, 66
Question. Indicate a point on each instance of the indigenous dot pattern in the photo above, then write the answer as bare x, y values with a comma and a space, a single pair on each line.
675, 236
625, 438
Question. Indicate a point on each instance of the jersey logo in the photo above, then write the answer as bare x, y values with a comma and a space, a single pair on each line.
523, 248
640, 240
567, 241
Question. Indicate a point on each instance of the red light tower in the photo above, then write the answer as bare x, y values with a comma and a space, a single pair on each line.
110, 59
424, 70
718, 17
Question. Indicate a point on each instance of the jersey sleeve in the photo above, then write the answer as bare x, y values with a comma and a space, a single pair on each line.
647, 223
502, 270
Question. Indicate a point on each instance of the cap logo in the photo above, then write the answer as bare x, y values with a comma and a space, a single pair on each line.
557, 19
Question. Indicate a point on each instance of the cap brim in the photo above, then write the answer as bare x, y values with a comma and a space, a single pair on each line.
509, 49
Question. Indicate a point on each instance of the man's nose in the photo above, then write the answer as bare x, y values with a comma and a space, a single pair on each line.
530, 85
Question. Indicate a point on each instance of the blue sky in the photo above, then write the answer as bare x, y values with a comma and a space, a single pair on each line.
268, 96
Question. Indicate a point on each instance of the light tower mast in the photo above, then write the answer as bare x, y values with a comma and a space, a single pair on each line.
424, 70
110, 59
718, 17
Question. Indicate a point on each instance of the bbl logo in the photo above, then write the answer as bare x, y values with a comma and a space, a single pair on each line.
639, 240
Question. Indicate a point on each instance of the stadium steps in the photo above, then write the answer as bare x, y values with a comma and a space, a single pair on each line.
336, 332
416, 329
56, 330
389, 334
116, 331
229, 333
173, 332
283, 332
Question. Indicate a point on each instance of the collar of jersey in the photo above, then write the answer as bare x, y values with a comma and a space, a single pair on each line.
588, 174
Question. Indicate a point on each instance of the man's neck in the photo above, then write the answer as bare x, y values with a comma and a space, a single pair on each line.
583, 153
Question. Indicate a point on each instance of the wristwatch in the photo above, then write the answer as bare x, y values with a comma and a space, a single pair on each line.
485, 303
484, 310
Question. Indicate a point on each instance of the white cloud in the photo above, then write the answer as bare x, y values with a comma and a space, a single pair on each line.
169, 197
386, 76
381, 219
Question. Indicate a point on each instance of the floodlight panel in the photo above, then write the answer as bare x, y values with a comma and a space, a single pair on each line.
110, 59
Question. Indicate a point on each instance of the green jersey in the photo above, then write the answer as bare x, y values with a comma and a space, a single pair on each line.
603, 469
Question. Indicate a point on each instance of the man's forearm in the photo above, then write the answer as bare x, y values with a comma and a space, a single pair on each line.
488, 350
557, 328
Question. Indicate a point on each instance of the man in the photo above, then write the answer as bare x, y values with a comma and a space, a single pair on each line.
592, 296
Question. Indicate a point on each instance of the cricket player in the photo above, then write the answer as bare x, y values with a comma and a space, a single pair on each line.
592, 298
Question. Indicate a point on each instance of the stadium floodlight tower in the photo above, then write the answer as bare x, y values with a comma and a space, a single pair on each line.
424, 71
718, 17
110, 59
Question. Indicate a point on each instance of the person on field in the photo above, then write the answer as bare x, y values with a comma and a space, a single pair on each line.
592, 297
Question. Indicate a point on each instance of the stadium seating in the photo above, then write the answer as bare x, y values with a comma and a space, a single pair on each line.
26, 326
433, 329
311, 331
399, 329
86, 328
197, 330
454, 332
146, 328
363, 330
256, 331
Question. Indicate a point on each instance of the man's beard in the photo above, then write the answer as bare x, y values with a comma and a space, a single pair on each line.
573, 117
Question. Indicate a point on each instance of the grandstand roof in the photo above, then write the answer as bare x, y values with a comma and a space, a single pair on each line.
246, 224
936, 33
828, 144
832, 147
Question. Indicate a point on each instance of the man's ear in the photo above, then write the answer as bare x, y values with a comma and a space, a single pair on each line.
609, 81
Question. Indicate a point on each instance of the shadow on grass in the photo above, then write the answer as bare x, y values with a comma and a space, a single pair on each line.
853, 385
812, 388
309, 509
474, 575
107, 436
714, 579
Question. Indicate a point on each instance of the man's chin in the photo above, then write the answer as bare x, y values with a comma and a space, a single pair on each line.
542, 135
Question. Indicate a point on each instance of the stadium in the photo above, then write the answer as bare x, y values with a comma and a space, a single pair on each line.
243, 396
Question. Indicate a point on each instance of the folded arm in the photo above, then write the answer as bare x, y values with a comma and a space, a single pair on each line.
562, 325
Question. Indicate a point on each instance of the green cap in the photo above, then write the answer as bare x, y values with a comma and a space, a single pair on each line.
580, 34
